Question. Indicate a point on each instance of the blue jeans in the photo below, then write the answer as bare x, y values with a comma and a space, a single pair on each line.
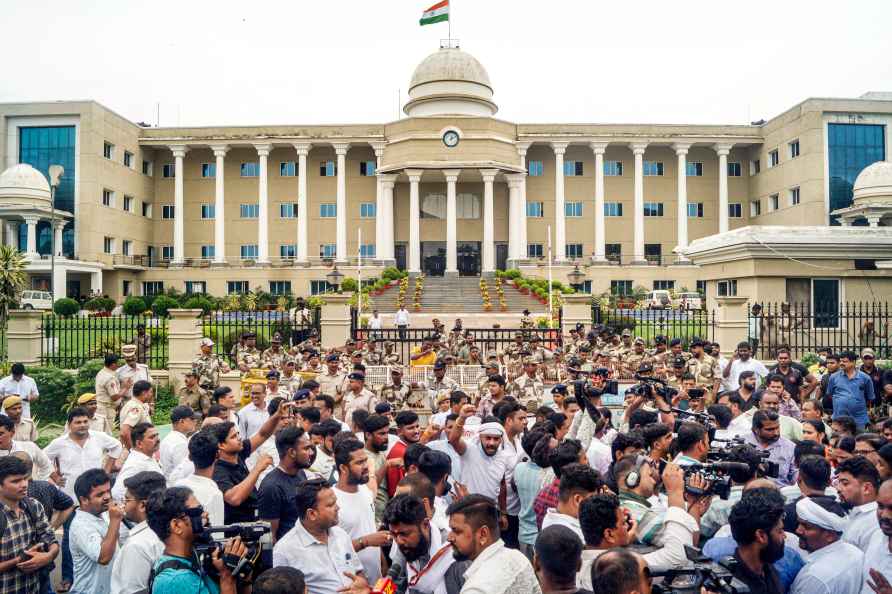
67, 561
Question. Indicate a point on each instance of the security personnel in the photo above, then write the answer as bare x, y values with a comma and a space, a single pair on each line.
273, 357
511, 353
395, 391
333, 382
191, 394
704, 368
357, 396
632, 361
247, 357
528, 389
207, 366
439, 382
290, 380
526, 321
491, 368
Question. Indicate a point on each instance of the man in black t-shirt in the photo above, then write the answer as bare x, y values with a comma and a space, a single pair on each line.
798, 381
757, 527
278, 491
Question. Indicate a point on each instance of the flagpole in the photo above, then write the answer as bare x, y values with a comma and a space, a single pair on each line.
449, 22
359, 276
550, 306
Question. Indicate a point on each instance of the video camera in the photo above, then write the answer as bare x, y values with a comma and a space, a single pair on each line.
650, 387
717, 474
715, 576
254, 536
586, 389
767, 468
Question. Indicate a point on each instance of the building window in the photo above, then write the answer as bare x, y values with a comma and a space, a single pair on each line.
167, 252
367, 168
701, 287
208, 170
535, 168
664, 285
613, 209
613, 251
573, 168
108, 198
328, 210
825, 300
367, 250
127, 288
613, 168
152, 288
147, 209
288, 251
573, 209
126, 247
328, 169
695, 210
367, 210
755, 167
467, 206
128, 203
726, 288
653, 209
620, 287
288, 169
128, 159
653, 168
288, 210
734, 169
755, 208
249, 211
574, 250
147, 168
773, 202
773, 158
585, 287
168, 170
433, 206
793, 147
251, 169
735, 210
196, 287
208, 252
534, 250
694, 169
328, 250
237, 287
280, 287
108, 245
794, 196
248, 252
208, 211
108, 150
535, 210
318, 287
653, 253
851, 148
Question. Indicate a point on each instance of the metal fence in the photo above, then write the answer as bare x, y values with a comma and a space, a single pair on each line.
69, 342
649, 323
804, 328
225, 328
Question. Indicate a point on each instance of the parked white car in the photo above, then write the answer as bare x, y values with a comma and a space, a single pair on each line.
688, 301
658, 300
36, 300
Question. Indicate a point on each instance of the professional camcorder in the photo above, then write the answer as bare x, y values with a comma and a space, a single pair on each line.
717, 475
692, 416
650, 387
703, 572
254, 535
767, 468
585, 388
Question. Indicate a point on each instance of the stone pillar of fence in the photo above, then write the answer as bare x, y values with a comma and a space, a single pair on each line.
23, 335
183, 334
577, 309
731, 323
335, 320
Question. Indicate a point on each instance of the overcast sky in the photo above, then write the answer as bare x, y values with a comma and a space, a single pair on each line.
347, 61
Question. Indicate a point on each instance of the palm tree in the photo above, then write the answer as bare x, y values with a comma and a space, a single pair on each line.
12, 278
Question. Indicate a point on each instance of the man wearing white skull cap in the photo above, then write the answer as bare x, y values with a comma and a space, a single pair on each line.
834, 567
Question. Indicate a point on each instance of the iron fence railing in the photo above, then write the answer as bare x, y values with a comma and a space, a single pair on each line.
226, 327
69, 342
650, 323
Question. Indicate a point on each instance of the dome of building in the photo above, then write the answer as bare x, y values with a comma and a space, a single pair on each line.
450, 82
23, 181
874, 183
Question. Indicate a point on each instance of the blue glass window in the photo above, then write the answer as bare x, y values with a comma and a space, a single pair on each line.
613, 209
287, 251
620, 287
207, 211
250, 169
318, 287
248, 252
534, 250
208, 170
535, 210
249, 211
168, 170
288, 210
613, 168
152, 287
288, 169
327, 250
573, 168
695, 169
735, 210
167, 252
734, 169
207, 252
574, 250
367, 250
695, 210
280, 287
328, 169
367, 168
573, 209
653, 168
236, 287
851, 148
653, 209
367, 210
328, 210
535, 168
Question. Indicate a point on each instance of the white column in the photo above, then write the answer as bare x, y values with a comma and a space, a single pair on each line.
219, 204
414, 221
722, 150
451, 223
303, 207
179, 206
380, 214
560, 222
522, 148
384, 218
638, 221
341, 229
96, 281
873, 220
599, 148
489, 247
263, 204
31, 243
12, 234
58, 226
60, 280
516, 210
681, 151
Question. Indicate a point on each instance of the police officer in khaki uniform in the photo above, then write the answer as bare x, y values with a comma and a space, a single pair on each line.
274, 356
439, 382
526, 321
191, 394
247, 356
395, 391
291, 380
357, 396
207, 366
704, 368
109, 391
491, 368
632, 361
333, 381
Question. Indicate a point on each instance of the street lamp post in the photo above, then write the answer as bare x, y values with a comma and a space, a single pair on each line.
575, 277
334, 278
56, 172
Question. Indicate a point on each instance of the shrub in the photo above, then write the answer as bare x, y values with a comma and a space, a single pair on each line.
85, 380
162, 304
66, 307
512, 273
392, 273
134, 306
150, 300
199, 302
100, 304
165, 400
56, 389
349, 285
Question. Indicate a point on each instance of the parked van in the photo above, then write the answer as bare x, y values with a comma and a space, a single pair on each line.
689, 301
658, 300
37, 300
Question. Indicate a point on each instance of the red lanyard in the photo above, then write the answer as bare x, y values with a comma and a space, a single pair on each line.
414, 579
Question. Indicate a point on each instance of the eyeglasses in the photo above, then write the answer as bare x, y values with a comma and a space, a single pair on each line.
864, 452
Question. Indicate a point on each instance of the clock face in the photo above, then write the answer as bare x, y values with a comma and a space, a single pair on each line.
450, 138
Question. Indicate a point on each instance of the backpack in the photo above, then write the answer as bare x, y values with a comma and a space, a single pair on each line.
169, 564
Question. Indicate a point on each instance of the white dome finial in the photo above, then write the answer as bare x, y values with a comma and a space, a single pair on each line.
450, 82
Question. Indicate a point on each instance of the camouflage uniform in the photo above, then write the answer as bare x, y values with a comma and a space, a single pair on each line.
436, 387
705, 371
512, 352
250, 357
397, 396
526, 322
273, 359
527, 390
292, 383
207, 368
375, 357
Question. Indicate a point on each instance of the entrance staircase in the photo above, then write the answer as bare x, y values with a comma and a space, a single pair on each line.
458, 295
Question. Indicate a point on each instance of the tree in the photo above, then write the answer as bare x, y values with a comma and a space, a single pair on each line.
12, 278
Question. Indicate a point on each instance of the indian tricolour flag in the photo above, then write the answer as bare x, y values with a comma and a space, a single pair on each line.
435, 14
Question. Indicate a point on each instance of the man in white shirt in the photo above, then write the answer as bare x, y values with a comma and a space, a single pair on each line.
857, 481
203, 448
317, 546
375, 323
484, 463
21, 385
133, 563
175, 445
254, 414
43, 469
94, 540
878, 556
578, 482
401, 320
740, 362
426, 554
141, 457
833, 566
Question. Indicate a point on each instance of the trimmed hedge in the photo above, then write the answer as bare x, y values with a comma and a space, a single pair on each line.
134, 306
162, 304
66, 307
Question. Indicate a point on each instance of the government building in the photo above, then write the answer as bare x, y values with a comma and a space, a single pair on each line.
449, 190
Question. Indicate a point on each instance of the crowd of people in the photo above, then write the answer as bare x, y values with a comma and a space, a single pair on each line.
524, 482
